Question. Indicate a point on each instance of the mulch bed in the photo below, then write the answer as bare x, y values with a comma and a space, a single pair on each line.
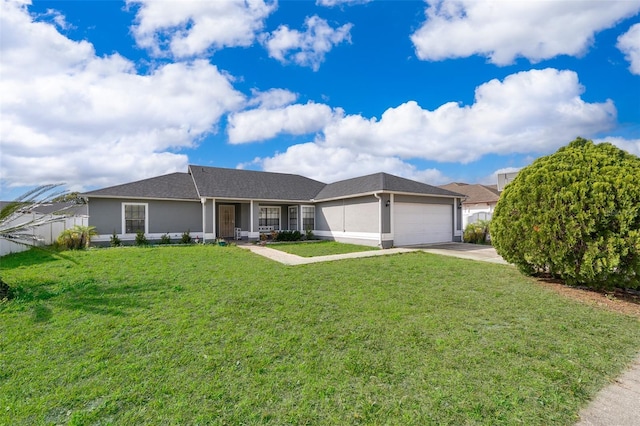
624, 301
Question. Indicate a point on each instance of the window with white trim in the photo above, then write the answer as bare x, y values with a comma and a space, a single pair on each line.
134, 218
269, 216
308, 218
293, 218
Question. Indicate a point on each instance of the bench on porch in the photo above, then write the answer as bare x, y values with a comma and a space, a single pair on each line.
265, 229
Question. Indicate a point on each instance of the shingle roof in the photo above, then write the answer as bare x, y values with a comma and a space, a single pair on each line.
249, 184
379, 182
215, 182
475, 193
172, 186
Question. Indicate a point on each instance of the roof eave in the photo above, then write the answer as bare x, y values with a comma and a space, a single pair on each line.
129, 197
385, 191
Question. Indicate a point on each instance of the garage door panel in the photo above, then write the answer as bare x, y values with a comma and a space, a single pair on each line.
422, 223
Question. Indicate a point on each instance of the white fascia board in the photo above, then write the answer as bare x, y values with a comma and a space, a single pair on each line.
114, 197
367, 194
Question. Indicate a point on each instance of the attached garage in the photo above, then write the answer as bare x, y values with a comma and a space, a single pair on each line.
422, 224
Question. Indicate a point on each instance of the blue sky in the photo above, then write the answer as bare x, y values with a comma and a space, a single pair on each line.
98, 93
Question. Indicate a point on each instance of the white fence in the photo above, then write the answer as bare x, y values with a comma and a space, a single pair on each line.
46, 234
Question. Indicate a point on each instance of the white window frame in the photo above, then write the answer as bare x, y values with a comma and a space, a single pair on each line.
297, 218
303, 229
146, 217
279, 215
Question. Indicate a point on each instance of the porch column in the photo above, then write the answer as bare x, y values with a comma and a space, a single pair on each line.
456, 232
392, 214
204, 219
213, 203
251, 219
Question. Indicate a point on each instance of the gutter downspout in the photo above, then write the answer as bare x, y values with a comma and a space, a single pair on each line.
375, 194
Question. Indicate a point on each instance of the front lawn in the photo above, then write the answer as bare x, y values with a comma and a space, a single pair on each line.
219, 335
319, 248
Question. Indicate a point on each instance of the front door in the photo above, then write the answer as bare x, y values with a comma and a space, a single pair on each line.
227, 221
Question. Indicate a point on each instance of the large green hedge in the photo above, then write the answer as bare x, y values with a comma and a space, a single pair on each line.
574, 214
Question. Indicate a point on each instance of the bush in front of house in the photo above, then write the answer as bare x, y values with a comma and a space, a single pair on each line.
289, 236
165, 239
141, 239
477, 232
575, 215
186, 238
115, 241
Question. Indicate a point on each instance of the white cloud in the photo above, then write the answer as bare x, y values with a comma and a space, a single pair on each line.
532, 111
68, 115
265, 123
529, 112
331, 164
306, 48
189, 28
632, 146
505, 30
331, 3
272, 98
629, 44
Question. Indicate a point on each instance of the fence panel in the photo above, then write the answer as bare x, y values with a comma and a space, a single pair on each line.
46, 233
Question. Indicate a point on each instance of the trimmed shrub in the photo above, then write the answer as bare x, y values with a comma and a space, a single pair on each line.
308, 234
141, 239
477, 232
289, 236
114, 241
186, 238
575, 215
165, 239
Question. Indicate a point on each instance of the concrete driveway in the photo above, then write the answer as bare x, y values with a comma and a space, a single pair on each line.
464, 251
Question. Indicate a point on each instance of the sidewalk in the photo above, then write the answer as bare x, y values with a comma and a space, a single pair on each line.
616, 405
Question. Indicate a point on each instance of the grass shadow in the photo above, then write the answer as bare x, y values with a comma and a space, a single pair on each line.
103, 300
41, 313
32, 257
88, 295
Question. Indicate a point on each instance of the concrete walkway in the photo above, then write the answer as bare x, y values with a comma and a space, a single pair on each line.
616, 405
465, 251
292, 259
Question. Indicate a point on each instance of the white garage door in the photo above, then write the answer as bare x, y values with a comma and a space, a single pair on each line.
422, 224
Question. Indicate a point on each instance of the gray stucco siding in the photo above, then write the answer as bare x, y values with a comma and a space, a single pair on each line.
162, 216
174, 216
106, 215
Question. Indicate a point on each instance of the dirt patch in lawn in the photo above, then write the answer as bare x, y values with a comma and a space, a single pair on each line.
618, 300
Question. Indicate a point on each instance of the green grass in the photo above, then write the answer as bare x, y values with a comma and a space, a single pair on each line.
219, 335
319, 248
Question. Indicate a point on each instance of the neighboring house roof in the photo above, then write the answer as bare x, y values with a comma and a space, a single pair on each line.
380, 182
475, 193
67, 208
171, 186
249, 184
